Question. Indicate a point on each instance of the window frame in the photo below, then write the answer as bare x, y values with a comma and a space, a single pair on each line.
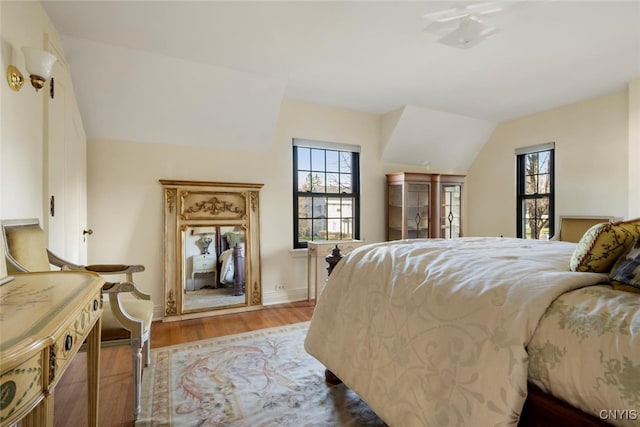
522, 196
354, 151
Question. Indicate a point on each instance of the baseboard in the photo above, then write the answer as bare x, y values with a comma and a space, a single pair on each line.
268, 298
158, 312
281, 297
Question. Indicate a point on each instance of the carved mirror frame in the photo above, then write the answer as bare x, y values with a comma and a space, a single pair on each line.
190, 204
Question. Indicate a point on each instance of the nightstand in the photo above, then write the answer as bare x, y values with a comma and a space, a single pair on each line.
204, 263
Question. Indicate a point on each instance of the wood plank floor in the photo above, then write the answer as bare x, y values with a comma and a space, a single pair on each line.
116, 389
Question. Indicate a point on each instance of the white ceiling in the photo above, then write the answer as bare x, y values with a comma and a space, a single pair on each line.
241, 58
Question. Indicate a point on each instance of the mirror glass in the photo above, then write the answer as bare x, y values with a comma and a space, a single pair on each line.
213, 267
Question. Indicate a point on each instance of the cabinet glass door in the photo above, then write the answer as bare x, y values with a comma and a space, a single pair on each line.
417, 214
451, 211
394, 215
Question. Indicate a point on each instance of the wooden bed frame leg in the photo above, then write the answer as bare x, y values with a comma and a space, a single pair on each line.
332, 259
331, 378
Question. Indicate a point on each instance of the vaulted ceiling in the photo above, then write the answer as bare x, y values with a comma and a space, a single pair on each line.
214, 73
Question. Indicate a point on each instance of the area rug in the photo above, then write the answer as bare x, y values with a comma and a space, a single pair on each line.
210, 297
260, 378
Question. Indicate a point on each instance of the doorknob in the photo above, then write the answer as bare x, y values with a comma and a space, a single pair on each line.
84, 234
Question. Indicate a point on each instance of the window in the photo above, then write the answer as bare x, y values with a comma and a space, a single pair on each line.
326, 192
535, 192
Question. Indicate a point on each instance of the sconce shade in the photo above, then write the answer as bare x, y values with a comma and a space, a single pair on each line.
39, 64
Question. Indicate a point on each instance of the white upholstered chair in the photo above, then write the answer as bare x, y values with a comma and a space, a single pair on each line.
128, 312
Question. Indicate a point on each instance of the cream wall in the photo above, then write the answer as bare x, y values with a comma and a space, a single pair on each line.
634, 149
125, 197
21, 133
596, 142
592, 170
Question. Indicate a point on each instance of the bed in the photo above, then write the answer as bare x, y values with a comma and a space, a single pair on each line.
480, 332
230, 252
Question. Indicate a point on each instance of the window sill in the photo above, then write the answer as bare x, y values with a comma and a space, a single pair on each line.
298, 253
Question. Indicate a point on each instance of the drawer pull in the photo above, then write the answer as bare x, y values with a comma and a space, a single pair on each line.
7, 394
68, 342
95, 304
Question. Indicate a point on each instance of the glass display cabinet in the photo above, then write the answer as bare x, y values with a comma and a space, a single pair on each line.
423, 205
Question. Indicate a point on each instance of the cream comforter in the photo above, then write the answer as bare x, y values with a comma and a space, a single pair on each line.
433, 332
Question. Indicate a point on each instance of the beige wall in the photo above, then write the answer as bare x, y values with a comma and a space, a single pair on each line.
25, 164
592, 170
125, 203
21, 133
634, 149
596, 143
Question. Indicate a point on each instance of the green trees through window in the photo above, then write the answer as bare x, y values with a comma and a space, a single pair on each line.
326, 193
535, 193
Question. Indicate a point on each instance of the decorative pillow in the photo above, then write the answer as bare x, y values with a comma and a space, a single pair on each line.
632, 226
626, 270
600, 247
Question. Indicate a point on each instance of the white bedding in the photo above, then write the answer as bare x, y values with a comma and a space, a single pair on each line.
433, 332
227, 268
586, 351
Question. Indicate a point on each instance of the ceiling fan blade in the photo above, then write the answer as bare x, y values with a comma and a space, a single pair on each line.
469, 33
486, 8
462, 11
447, 15
441, 28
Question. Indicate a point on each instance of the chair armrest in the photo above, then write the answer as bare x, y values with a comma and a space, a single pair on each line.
117, 287
104, 269
62, 263
97, 268
114, 268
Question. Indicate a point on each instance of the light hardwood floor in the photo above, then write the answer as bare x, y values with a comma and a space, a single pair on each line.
116, 389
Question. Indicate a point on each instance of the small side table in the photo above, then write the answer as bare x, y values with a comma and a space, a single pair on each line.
204, 263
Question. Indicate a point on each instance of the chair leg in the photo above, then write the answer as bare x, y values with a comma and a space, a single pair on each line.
147, 355
137, 378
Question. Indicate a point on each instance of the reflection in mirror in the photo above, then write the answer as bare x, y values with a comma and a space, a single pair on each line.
214, 267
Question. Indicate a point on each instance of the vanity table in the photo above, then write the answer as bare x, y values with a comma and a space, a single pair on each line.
44, 319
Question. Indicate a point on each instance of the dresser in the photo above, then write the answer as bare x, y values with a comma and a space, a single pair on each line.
421, 205
202, 264
44, 319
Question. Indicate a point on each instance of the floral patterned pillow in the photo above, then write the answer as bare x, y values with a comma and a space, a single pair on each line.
627, 269
632, 226
600, 247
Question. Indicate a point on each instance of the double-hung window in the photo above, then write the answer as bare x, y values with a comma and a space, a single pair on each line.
535, 191
326, 191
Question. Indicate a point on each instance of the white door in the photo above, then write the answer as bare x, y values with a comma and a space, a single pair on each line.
66, 170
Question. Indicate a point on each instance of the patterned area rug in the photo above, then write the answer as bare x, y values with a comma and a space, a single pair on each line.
261, 378
210, 297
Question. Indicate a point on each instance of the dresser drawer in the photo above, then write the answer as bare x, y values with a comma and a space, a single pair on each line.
73, 336
204, 262
19, 387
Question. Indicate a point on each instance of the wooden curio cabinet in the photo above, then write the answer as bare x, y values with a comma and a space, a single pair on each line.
423, 205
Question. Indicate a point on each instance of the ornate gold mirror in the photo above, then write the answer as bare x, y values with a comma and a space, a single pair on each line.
213, 267
211, 248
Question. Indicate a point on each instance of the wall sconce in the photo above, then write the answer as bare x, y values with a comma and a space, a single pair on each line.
39, 64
